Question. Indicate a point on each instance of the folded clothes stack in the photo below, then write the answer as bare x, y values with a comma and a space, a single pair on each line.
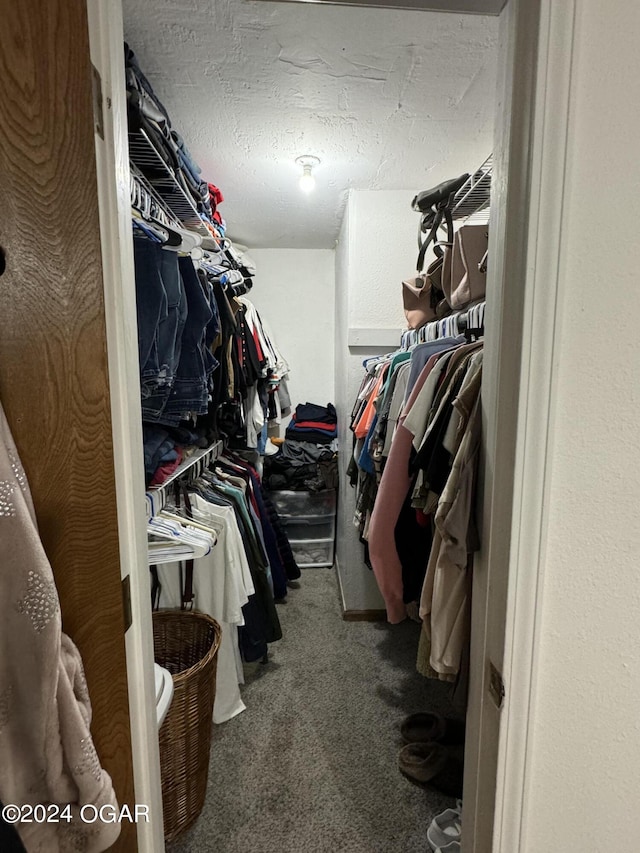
307, 459
313, 424
165, 449
282, 472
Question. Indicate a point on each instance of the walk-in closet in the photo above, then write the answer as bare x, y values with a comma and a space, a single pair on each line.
318, 426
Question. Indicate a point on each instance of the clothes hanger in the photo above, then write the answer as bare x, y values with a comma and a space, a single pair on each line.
189, 522
181, 240
151, 230
175, 238
188, 543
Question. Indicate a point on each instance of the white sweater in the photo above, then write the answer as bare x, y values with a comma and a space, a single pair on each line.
47, 755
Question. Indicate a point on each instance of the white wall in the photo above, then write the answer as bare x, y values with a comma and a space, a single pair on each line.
376, 250
359, 590
583, 771
294, 290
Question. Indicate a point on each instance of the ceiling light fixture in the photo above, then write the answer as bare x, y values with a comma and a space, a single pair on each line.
307, 181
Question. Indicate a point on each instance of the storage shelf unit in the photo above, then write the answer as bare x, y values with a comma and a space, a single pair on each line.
309, 519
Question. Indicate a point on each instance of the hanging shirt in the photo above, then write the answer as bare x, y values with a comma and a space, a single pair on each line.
221, 586
445, 600
394, 487
361, 428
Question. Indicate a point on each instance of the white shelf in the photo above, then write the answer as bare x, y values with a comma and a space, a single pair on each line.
373, 338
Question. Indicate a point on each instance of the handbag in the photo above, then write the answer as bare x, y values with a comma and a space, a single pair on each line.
419, 301
435, 206
464, 277
423, 296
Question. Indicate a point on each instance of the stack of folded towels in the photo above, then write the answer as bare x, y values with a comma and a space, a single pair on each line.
314, 424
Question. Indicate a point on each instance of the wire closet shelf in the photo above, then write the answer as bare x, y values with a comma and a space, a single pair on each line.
472, 200
145, 199
157, 173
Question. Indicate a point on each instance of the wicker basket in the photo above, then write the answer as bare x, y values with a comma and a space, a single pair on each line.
186, 643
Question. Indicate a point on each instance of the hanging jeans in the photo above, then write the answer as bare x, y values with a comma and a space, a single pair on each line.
168, 336
151, 305
162, 313
190, 391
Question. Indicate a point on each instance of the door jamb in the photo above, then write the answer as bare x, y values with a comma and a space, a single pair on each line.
542, 317
112, 165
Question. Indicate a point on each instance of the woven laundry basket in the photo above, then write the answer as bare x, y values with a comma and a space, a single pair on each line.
186, 643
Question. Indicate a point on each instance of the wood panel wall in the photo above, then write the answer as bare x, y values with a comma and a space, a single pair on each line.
53, 364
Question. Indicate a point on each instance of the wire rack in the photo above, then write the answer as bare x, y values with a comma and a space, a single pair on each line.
471, 317
147, 200
472, 200
148, 161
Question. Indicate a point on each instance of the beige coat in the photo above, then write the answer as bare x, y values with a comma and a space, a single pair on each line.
47, 754
445, 600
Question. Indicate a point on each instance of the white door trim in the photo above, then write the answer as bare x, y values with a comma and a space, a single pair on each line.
112, 163
535, 419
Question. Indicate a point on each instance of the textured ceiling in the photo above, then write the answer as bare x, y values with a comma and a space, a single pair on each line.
386, 100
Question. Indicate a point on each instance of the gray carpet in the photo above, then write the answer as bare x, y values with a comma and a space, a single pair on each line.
311, 765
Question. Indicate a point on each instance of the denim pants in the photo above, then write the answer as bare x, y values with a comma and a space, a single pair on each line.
168, 336
190, 391
151, 305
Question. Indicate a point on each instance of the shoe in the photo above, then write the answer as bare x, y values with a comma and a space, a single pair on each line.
432, 728
452, 847
445, 828
433, 765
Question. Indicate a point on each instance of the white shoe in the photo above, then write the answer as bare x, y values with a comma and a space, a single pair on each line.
445, 830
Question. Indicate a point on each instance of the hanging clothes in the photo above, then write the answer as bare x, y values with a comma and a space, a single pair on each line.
222, 585
420, 532
394, 487
238, 580
445, 603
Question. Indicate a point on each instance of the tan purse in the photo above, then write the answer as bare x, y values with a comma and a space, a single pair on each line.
418, 300
463, 278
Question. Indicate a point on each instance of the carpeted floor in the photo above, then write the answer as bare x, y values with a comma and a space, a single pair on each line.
311, 765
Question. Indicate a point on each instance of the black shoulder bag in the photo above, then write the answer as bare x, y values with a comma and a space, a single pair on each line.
435, 206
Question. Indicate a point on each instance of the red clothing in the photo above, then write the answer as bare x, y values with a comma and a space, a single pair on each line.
216, 198
313, 425
216, 195
256, 340
361, 428
165, 471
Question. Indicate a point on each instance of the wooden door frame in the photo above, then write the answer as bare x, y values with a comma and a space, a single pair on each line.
522, 339
112, 161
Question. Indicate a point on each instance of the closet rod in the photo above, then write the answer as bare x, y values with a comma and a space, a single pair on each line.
156, 496
471, 317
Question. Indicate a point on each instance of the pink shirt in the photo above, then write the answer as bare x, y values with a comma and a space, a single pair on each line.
392, 492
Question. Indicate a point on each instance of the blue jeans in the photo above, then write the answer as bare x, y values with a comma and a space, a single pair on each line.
151, 305
190, 388
168, 336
